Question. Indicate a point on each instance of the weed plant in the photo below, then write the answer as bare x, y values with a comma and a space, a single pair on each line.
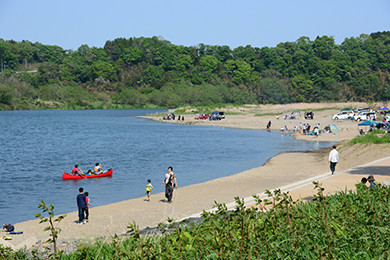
371, 138
347, 225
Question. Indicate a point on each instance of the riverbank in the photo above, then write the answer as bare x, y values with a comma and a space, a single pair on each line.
280, 170
258, 116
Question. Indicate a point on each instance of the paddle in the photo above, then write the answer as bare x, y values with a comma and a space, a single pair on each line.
82, 175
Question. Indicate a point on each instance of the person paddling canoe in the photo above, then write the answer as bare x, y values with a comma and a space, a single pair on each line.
77, 171
98, 168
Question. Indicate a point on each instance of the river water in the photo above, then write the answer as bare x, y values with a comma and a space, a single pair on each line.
36, 147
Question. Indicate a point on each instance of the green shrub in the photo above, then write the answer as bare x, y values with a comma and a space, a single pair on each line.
347, 225
371, 138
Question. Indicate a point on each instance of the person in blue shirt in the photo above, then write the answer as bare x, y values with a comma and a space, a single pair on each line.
82, 206
371, 180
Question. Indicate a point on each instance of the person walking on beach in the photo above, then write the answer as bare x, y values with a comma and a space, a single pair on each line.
87, 209
170, 183
149, 188
82, 205
333, 158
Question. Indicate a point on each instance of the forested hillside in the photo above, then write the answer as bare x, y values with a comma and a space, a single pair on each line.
147, 72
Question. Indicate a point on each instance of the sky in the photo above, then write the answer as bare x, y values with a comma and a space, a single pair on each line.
72, 23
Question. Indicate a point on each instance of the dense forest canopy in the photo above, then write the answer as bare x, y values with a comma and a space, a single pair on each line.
140, 72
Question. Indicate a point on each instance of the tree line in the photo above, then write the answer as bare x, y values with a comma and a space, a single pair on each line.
145, 72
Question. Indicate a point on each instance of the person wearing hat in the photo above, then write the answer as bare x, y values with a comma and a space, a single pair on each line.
371, 180
333, 158
170, 184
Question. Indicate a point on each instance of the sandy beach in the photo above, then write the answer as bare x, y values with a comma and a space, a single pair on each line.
282, 170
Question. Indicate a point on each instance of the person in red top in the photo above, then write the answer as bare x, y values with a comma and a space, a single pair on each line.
75, 170
88, 204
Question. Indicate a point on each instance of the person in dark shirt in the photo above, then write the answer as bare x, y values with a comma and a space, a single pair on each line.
170, 183
82, 205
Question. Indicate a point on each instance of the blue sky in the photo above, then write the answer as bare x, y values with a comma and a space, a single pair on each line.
69, 24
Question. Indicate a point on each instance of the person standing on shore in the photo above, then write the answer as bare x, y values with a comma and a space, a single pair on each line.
333, 158
87, 209
82, 205
269, 125
170, 184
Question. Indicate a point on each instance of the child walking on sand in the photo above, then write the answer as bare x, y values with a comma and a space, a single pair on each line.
149, 188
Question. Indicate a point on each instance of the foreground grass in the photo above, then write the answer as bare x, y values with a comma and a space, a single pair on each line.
347, 225
376, 137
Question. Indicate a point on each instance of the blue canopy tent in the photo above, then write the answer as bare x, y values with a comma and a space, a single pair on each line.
384, 110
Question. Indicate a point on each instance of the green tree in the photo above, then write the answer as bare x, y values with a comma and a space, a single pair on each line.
207, 66
103, 69
240, 70
273, 91
301, 89
324, 47
154, 75
133, 56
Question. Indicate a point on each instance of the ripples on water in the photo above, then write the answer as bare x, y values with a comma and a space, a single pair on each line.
37, 146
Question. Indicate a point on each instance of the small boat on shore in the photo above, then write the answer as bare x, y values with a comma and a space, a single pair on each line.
67, 176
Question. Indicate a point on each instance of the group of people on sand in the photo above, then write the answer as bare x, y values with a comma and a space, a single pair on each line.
170, 183
305, 129
96, 170
83, 203
172, 116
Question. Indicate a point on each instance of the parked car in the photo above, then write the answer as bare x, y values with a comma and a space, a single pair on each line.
342, 115
201, 116
359, 110
364, 116
382, 125
309, 115
217, 115
366, 109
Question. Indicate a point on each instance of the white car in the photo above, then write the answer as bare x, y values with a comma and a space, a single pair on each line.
364, 116
342, 115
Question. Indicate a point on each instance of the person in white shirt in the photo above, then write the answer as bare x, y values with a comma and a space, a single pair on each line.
98, 168
333, 158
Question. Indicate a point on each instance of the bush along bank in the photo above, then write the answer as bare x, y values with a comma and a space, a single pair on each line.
349, 224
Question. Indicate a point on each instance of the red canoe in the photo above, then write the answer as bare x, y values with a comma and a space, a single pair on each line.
67, 176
